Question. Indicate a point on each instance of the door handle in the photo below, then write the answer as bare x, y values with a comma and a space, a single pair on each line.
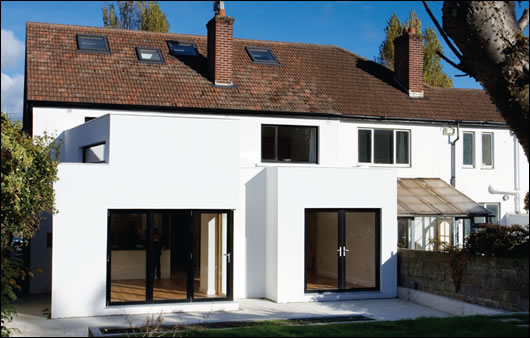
227, 257
340, 251
345, 250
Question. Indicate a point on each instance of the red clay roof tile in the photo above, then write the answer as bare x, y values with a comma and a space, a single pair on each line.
311, 78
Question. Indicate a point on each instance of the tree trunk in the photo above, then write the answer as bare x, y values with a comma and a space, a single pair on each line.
494, 52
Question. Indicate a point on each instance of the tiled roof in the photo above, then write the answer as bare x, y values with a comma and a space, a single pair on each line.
311, 78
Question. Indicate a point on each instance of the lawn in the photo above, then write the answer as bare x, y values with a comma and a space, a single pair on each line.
469, 326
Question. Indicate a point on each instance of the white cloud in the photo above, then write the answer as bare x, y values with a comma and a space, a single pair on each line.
13, 95
12, 50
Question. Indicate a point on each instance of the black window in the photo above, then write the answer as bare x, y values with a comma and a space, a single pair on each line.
261, 55
93, 43
177, 48
149, 55
89, 118
384, 146
289, 144
404, 232
402, 147
94, 153
365, 146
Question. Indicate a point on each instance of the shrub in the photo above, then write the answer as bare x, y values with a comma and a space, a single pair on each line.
499, 241
28, 173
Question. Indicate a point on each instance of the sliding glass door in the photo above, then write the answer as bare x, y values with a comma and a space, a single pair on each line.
160, 256
127, 259
341, 249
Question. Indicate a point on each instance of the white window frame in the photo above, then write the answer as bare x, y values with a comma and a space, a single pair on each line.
473, 154
492, 153
485, 205
394, 150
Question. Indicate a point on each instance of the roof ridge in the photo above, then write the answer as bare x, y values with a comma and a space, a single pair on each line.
130, 31
125, 31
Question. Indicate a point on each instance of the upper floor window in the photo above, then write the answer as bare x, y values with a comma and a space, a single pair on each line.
384, 146
280, 143
93, 43
469, 149
487, 150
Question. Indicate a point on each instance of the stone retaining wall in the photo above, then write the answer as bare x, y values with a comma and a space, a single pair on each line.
488, 281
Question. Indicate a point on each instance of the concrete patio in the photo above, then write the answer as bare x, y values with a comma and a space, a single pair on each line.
32, 321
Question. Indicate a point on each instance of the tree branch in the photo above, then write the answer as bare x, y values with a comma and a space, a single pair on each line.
442, 33
523, 21
451, 62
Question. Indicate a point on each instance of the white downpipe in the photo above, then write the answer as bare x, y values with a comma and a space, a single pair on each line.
516, 191
517, 183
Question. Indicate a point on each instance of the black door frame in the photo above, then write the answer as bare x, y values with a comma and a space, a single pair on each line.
341, 242
189, 249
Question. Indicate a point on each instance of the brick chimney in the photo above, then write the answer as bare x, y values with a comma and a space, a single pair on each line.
220, 46
408, 62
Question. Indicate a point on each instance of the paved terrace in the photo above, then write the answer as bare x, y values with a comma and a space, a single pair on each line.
32, 318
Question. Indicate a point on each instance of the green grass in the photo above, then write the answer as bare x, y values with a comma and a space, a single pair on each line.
469, 326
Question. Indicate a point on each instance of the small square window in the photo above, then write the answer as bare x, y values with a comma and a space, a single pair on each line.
150, 55
93, 43
262, 55
94, 153
178, 48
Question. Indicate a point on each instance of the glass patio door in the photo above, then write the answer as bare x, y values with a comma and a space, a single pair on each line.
341, 249
212, 256
164, 256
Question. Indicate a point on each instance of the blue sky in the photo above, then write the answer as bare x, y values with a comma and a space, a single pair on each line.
357, 26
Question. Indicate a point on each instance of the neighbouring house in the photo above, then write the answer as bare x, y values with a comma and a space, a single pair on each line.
198, 170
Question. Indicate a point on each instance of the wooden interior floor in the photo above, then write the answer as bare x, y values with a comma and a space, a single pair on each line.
133, 290
320, 282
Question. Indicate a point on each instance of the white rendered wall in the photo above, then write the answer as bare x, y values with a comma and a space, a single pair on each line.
196, 168
292, 190
179, 161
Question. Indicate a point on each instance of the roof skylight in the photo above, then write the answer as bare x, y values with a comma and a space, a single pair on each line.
262, 55
92, 43
149, 55
177, 48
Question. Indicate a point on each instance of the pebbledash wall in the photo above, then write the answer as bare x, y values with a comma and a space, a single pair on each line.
198, 161
488, 281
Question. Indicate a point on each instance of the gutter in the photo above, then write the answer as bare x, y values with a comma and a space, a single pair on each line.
241, 112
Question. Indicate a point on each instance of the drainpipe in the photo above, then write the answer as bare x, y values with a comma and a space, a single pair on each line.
453, 155
516, 183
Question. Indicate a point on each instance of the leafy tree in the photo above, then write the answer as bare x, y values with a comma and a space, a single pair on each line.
137, 15
491, 47
432, 68
28, 173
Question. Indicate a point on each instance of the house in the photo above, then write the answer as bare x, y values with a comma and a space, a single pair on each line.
198, 170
